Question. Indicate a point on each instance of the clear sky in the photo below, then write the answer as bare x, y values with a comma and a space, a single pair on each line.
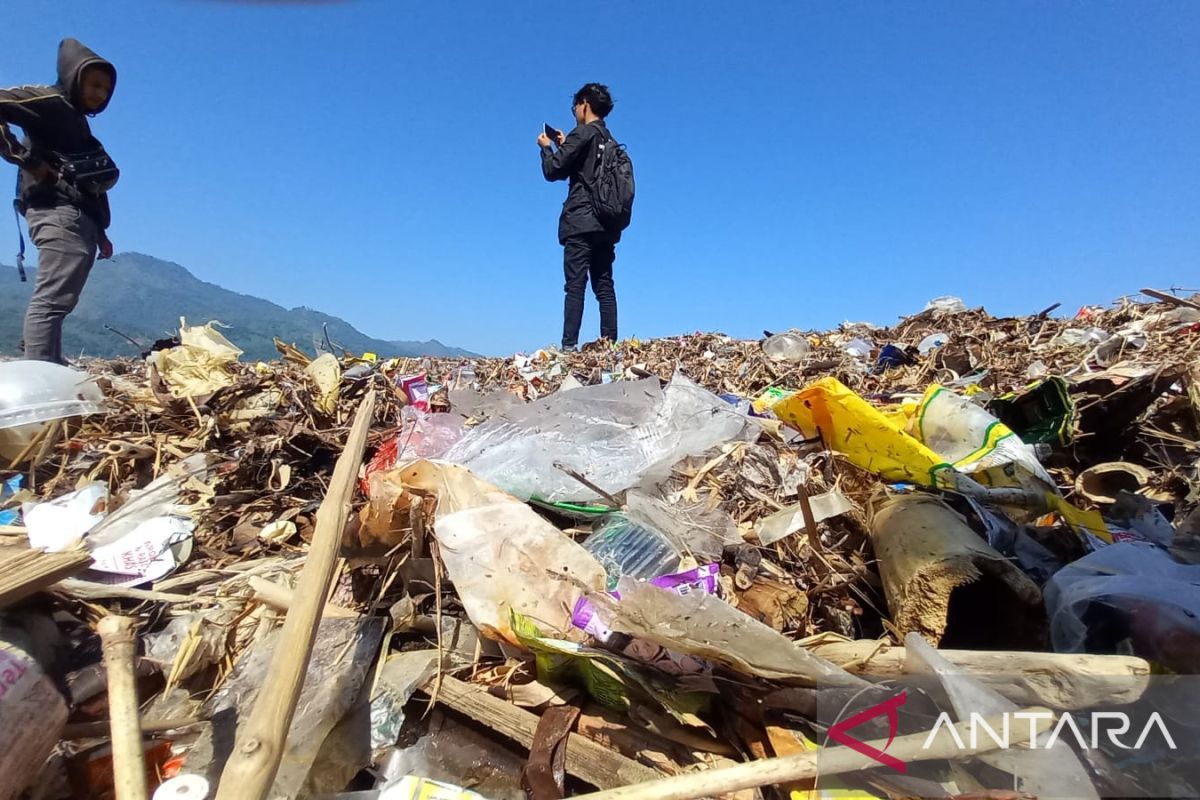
798, 163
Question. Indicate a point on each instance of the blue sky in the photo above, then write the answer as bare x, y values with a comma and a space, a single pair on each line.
798, 163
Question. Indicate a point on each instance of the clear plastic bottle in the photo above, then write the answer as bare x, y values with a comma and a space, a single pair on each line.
626, 549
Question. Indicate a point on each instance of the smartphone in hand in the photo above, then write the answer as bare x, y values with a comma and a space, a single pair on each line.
550, 132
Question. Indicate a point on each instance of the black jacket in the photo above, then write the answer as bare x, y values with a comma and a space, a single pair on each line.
576, 160
53, 122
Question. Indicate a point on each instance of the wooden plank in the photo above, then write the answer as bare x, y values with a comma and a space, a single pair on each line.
586, 760
24, 572
1064, 681
260, 741
832, 761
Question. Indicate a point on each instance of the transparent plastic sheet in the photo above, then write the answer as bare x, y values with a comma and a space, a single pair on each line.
1128, 594
616, 435
344, 652
1051, 772
705, 626
501, 555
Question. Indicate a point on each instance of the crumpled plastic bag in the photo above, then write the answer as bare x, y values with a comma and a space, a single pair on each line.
326, 374
705, 626
1129, 594
200, 364
501, 555
616, 435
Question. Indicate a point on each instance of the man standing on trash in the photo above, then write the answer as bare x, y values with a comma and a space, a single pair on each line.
588, 249
63, 186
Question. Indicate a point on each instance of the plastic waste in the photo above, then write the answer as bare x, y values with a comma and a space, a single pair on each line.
707, 627
35, 392
182, 787
859, 348
150, 552
32, 716
501, 555
200, 364
616, 435
969, 437
60, 523
946, 304
786, 346
421, 435
626, 549
343, 653
704, 579
1041, 414
326, 374
1113, 349
1078, 337
890, 357
691, 527
412, 788
932, 342
8, 490
789, 520
1137, 518
205, 640
401, 675
1051, 770
1008, 538
1130, 597
416, 390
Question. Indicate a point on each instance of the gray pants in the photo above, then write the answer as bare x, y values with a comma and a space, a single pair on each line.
66, 240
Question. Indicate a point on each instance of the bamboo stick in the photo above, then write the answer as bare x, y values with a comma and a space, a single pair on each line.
119, 644
805, 766
261, 738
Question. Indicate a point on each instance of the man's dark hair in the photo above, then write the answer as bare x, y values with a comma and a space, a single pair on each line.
597, 96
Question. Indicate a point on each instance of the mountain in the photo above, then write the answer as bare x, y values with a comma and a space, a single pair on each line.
144, 297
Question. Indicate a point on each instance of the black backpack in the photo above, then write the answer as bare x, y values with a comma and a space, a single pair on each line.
612, 189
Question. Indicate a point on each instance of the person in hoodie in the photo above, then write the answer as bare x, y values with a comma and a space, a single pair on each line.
588, 249
62, 187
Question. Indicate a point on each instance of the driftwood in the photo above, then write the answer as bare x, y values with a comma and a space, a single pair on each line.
587, 760
1063, 681
804, 766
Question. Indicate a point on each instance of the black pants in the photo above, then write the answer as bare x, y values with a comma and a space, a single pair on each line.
590, 254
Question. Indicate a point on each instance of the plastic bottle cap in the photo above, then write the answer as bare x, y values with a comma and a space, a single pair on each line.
183, 787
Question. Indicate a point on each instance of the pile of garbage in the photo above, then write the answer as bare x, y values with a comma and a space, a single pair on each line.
674, 568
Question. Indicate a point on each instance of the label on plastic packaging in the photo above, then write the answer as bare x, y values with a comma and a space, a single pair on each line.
416, 390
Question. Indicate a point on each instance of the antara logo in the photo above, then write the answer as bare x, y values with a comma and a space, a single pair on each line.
1120, 725
1113, 724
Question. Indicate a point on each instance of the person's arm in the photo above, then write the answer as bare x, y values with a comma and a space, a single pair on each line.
24, 106
558, 165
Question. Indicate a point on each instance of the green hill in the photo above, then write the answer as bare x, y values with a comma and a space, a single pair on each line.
144, 297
